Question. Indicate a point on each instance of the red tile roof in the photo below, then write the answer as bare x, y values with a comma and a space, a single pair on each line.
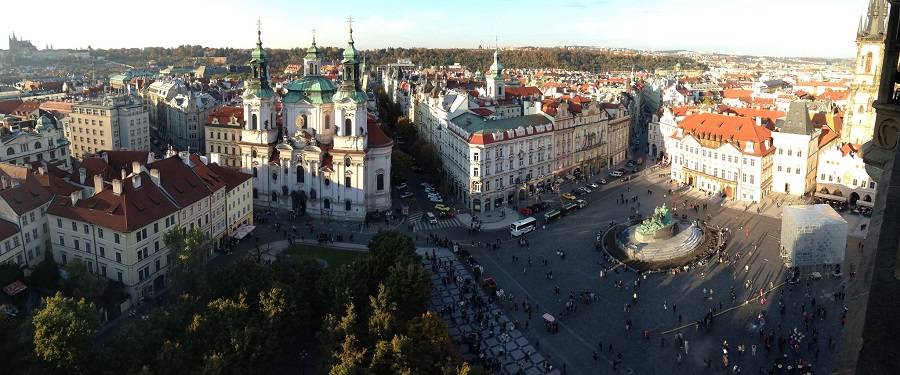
736, 93
7, 106
28, 195
835, 95
180, 181
7, 229
56, 185
26, 107
519, 92
225, 114
376, 136
483, 112
58, 107
232, 177
766, 114
123, 159
729, 129
212, 179
135, 208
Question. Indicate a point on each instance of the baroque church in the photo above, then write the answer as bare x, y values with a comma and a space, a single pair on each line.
311, 146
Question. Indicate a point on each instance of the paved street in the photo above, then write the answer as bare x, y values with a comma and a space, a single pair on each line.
665, 302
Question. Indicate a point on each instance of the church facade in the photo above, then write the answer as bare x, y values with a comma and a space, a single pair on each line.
312, 147
860, 121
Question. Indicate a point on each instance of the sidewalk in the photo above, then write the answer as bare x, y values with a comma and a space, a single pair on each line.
491, 220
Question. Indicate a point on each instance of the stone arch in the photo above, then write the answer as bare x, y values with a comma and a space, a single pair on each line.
37, 144
824, 190
867, 198
837, 193
854, 197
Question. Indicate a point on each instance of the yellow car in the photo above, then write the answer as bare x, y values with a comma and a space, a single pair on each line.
440, 207
569, 196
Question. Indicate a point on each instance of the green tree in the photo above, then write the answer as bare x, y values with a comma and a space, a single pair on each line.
189, 251
401, 163
64, 330
410, 286
82, 283
382, 320
430, 345
349, 358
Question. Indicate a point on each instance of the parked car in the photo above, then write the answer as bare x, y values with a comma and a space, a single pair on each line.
630, 163
581, 203
586, 189
430, 218
527, 211
401, 186
594, 186
616, 174
406, 194
602, 181
436, 199
568, 196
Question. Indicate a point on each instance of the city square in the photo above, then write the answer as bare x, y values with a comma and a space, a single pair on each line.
664, 307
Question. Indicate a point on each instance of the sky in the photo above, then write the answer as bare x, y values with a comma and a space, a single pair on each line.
813, 28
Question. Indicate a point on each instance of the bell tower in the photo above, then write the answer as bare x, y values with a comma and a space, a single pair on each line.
494, 80
259, 98
311, 62
860, 121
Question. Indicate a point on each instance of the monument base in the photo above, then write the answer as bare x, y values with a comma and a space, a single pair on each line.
660, 234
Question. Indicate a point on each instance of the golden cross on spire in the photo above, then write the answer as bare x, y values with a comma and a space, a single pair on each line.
350, 26
314, 35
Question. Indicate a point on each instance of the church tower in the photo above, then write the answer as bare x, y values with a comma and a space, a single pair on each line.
311, 62
859, 123
350, 101
494, 80
260, 131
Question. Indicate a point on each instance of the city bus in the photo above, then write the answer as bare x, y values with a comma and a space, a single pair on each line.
522, 226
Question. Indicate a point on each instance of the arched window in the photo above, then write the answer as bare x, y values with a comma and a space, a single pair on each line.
274, 196
868, 62
37, 144
348, 126
347, 205
379, 181
327, 124
10, 151
253, 123
253, 153
312, 193
300, 177
326, 204
327, 181
348, 182
254, 171
274, 176
347, 161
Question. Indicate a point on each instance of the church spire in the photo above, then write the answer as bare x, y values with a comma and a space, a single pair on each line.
350, 80
259, 64
873, 25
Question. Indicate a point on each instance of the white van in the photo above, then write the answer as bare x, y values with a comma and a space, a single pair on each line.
431, 218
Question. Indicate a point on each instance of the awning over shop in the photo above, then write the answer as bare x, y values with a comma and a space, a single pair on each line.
831, 197
243, 231
14, 288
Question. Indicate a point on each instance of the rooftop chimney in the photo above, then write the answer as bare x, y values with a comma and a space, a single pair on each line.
136, 181
154, 176
185, 157
136, 167
82, 175
98, 184
117, 187
75, 196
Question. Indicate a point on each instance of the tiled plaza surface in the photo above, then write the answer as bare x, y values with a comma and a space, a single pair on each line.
500, 341
667, 302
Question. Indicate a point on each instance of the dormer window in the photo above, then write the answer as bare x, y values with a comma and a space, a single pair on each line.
749, 147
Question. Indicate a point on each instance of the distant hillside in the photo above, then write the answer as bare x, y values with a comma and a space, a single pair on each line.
566, 58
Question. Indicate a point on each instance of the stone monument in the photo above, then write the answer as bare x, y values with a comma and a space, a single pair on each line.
660, 226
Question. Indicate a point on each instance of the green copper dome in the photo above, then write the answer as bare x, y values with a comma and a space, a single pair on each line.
43, 123
315, 89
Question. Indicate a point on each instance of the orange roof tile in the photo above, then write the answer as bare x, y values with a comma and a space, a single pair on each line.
735, 130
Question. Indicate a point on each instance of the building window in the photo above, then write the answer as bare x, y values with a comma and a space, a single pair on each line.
327, 122
379, 181
255, 172
326, 204
348, 124
347, 205
253, 123
300, 174
347, 182
116, 237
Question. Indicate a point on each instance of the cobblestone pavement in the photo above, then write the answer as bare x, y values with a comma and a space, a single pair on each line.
492, 339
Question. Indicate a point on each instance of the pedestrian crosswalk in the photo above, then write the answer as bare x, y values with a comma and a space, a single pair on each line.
417, 220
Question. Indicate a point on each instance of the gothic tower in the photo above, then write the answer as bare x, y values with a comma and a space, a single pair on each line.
859, 122
494, 80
